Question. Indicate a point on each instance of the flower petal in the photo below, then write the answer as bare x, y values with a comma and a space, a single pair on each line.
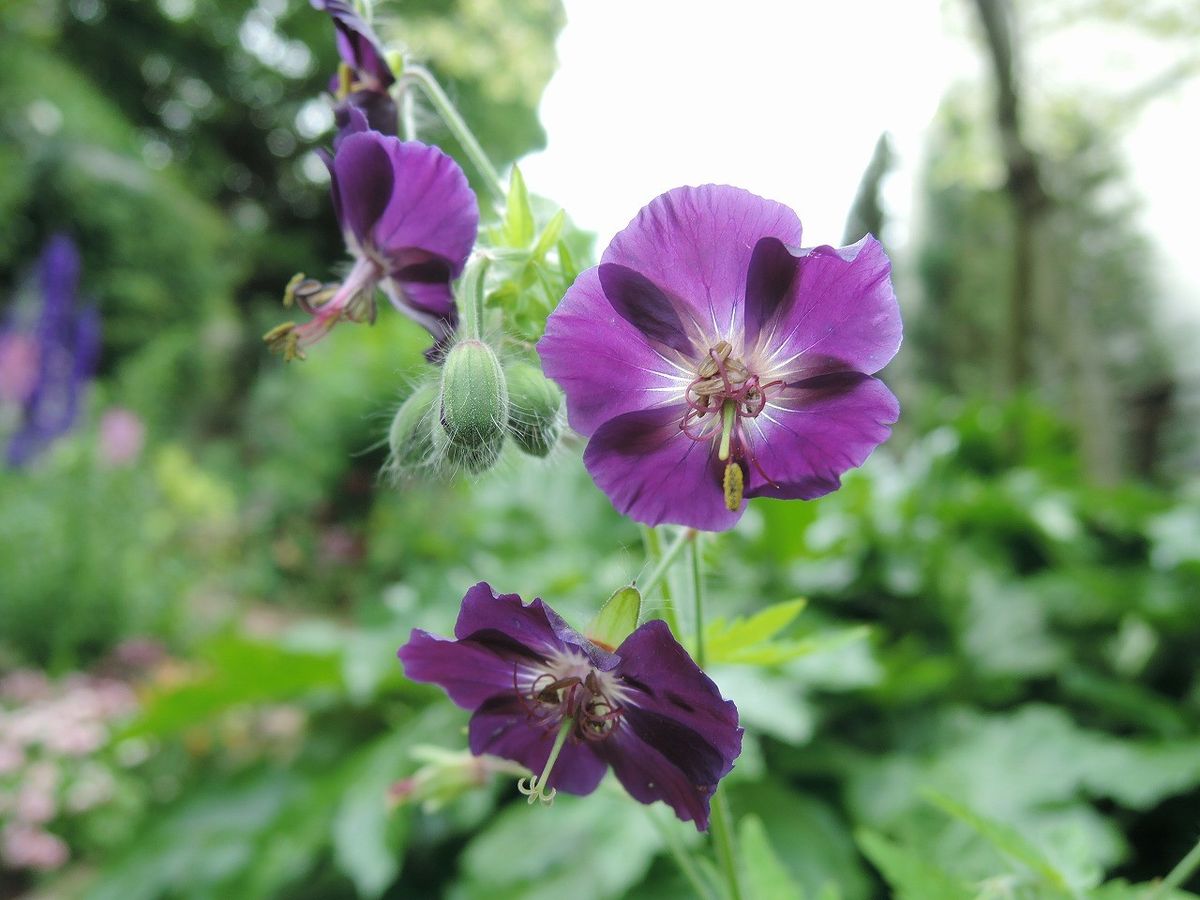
503, 727
814, 431
640, 303
431, 207
362, 183
604, 364
841, 315
505, 617
469, 671
773, 268
695, 244
654, 473
357, 43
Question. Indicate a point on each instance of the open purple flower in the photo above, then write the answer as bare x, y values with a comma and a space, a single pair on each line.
409, 219
364, 77
46, 367
545, 696
709, 359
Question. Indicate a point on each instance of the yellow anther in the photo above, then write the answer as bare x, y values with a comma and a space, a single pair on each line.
733, 486
345, 81
289, 292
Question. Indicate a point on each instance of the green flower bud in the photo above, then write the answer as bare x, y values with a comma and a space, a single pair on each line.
410, 438
617, 618
474, 399
474, 459
534, 409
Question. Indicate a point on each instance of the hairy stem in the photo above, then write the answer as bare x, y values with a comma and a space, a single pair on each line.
665, 559
1178, 875
457, 125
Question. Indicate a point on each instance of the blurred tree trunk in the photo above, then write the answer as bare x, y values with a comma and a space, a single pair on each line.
1023, 186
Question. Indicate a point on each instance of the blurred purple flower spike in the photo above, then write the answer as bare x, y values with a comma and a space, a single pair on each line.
56, 358
409, 219
709, 358
561, 705
364, 79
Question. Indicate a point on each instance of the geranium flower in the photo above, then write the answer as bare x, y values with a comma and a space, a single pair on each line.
709, 359
542, 693
409, 220
44, 368
363, 79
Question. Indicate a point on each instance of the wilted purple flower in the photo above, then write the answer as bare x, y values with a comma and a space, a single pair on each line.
364, 77
542, 692
409, 219
710, 359
63, 346
122, 435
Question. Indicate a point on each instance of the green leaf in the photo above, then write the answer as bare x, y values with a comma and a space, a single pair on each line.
1005, 839
367, 837
734, 641
766, 877
911, 875
518, 214
550, 235
585, 848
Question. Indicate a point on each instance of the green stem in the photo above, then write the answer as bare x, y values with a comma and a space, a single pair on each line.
679, 853
457, 125
721, 821
666, 558
472, 296
1178, 875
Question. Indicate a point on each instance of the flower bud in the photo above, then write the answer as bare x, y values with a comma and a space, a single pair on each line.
476, 460
474, 405
410, 438
617, 619
534, 409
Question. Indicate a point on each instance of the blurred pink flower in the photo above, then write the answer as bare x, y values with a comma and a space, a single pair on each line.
122, 435
18, 367
26, 847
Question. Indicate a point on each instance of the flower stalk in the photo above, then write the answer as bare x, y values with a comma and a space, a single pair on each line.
424, 79
1178, 875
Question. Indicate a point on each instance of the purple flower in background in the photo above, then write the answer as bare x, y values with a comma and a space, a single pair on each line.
542, 692
364, 77
709, 359
409, 219
44, 369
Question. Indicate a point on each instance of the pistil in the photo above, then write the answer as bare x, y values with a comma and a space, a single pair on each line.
534, 787
728, 420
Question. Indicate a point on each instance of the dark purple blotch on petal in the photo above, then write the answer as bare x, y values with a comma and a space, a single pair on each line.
640, 303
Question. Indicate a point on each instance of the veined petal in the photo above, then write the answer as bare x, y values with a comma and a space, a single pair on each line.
430, 207
603, 363
486, 612
363, 178
841, 315
695, 244
815, 430
502, 727
655, 473
469, 671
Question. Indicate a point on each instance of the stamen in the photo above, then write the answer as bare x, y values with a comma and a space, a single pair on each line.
345, 80
283, 339
728, 419
733, 486
535, 787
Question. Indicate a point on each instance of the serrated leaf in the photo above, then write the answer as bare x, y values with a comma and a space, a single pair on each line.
727, 641
766, 877
911, 875
518, 214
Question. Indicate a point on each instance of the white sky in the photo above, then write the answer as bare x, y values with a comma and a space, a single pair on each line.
787, 97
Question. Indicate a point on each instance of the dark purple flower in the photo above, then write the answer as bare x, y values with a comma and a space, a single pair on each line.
364, 77
56, 358
535, 684
409, 219
710, 359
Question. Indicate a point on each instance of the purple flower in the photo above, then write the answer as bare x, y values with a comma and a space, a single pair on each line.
52, 362
363, 80
542, 692
710, 359
409, 219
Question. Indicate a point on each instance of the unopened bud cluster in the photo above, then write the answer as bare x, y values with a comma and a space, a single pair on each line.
462, 419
